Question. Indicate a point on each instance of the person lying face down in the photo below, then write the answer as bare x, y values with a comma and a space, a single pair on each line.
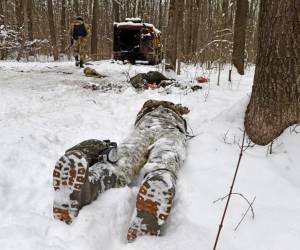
155, 149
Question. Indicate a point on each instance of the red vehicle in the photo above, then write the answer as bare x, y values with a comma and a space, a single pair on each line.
134, 40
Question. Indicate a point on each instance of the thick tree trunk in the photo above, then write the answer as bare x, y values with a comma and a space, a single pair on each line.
94, 38
52, 29
275, 99
239, 36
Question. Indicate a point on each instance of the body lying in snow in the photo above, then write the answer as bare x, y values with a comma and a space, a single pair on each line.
155, 149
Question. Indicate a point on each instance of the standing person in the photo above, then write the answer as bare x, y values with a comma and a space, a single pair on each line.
79, 32
155, 150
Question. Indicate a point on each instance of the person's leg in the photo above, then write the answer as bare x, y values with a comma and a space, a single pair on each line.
78, 177
82, 51
71, 177
76, 51
156, 193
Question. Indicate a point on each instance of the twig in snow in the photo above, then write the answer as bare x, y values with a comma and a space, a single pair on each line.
293, 129
250, 207
249, 203
225, 138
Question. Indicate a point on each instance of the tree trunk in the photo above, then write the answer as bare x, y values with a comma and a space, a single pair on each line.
116, 11
20, 13
160, 21
30, 19
188, 21
76, 7
52, 29
63, 27
94, 38
172, 34
275, 99
239, 36
196, 25
1, 10
20, 24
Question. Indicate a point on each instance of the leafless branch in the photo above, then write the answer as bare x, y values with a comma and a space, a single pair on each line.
250, 207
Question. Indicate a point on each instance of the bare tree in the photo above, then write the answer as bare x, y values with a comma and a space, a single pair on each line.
116, 8
63, 27
275, 99
94, 38
239, 36
52, 29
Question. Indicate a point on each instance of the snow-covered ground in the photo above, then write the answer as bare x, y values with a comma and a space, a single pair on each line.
44, 110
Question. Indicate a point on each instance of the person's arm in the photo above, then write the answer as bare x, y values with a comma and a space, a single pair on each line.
88, 30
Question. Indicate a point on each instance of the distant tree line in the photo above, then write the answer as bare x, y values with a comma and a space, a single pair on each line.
192, 30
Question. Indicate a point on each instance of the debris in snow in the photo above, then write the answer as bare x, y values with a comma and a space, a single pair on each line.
196, 87
89, 72
142, 80
201, 79
92, 86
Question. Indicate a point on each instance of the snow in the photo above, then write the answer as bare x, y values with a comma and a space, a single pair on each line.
45, 110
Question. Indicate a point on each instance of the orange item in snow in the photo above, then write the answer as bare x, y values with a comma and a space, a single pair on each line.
152, 85
201, 79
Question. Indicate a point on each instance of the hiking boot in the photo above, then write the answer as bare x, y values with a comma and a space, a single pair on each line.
69, 176
81, 63
76, 61
153, 205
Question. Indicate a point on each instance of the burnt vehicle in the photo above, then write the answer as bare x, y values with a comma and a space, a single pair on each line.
137, 41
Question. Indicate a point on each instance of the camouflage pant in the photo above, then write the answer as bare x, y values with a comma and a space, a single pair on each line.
155, 150
79, 48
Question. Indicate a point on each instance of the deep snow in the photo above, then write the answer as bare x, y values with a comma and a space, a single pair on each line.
44, 110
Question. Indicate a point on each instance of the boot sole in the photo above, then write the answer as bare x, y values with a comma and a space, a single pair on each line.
153, 206
69, 175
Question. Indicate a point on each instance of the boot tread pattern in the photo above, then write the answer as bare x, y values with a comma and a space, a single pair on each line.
153, 206
69, 175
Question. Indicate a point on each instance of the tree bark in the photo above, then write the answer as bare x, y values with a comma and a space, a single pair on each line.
275, 99
116, 11
239, 36
189, 26
94, 38
1, 9
20, 13
172, 34
63, 27
76, 7
52, 29
29, 19
196, 25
